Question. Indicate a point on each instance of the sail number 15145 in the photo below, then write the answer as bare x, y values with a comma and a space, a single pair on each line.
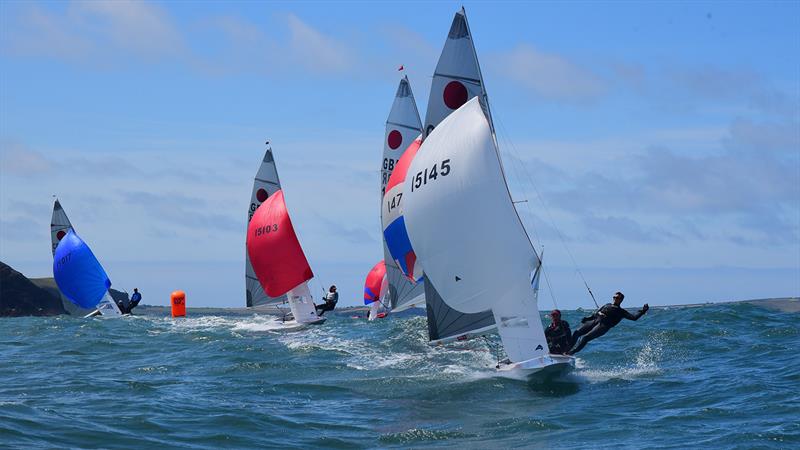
429, 174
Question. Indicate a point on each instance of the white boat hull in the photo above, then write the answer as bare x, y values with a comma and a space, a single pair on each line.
280, 324
541, 366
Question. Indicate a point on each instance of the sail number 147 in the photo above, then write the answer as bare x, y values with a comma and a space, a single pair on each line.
438, 170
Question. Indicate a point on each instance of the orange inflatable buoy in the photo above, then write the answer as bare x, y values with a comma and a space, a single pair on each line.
178, 301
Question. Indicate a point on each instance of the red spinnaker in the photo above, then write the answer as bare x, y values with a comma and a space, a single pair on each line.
399, 173
372, 286
276, 255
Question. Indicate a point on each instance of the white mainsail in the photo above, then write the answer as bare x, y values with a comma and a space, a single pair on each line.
456, 80
59, 227
402, 126
265, 184
467, 234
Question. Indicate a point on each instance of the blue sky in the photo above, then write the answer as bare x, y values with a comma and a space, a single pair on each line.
661, 139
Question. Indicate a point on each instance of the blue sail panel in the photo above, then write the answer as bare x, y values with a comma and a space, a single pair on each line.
399, 246
78, 273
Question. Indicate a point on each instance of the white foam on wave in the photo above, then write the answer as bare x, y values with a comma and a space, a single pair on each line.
418, 360
646, 363
261, 323
255, 323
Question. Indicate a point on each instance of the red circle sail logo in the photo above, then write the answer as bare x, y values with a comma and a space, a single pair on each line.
455, 94
395, 139
262, 195
60, 235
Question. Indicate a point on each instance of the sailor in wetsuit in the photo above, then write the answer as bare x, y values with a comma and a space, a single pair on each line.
126, 306
604, 319
135, 299
331, 298
559, 337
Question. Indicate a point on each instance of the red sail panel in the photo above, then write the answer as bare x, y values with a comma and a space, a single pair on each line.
400, 169
276, 255
372, 286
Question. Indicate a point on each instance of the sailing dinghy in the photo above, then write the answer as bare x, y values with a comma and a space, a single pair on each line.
403, 132
376, 286
80, 277
470, 240
265, 184
60, 226
462, 215
278, 261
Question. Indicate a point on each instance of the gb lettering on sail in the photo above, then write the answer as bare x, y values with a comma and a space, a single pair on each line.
402, 126
404, 271
401, 141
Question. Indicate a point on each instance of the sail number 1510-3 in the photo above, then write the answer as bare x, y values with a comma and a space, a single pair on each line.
438, 170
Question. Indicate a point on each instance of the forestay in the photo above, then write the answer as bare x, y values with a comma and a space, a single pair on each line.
467, 234
402, 127
265, 184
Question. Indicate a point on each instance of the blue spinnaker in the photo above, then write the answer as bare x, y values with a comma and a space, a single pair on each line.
78, 273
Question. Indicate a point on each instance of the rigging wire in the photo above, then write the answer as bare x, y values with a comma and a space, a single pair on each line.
550, 288
516, 155
494, 349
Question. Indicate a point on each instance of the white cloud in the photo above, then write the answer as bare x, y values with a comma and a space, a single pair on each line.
549, 75
99, 32
317, 51
19, 160
141, 27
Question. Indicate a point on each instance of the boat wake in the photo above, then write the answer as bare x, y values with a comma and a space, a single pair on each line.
645, 363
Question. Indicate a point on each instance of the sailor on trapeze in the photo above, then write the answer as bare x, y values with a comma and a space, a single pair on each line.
331, 298
604, 319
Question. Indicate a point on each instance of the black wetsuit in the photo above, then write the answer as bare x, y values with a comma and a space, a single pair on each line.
598, 324
331, 298
559, 337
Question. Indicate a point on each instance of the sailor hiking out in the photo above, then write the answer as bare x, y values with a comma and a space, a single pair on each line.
331, 298
604, 319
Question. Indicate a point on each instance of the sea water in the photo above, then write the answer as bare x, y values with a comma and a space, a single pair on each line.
719, 376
